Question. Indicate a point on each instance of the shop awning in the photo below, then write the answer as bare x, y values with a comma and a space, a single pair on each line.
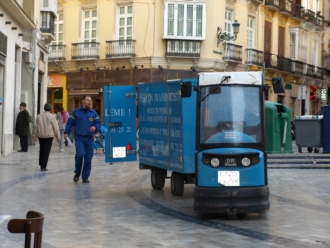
91, 92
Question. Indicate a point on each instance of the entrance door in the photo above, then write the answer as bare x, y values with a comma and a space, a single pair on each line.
120, 123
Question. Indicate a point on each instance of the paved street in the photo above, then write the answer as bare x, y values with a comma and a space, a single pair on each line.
120, 209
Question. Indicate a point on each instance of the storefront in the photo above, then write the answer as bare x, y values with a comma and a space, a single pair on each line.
56, 92
92, 82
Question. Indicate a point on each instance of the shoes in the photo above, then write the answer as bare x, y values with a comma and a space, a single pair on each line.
43, 169
61, 150
76, 178
66, 143
85, 180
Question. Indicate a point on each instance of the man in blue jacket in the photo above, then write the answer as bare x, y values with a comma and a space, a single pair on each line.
85, 122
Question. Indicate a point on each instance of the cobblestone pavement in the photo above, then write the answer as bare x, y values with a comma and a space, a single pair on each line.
118, 208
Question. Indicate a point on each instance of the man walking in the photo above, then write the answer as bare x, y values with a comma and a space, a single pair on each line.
45, 129
23, 127
85, 122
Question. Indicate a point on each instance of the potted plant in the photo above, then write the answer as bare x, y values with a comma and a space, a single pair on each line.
318, 13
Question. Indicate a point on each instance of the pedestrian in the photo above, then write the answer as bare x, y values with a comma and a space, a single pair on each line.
23, 127
85, 122
67, 118
46, 127
61, 117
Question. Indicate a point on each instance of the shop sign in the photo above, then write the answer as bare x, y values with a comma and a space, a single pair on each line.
301, 92
323, 95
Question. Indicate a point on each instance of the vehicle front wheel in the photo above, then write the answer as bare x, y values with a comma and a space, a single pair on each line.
158, 178
177, 184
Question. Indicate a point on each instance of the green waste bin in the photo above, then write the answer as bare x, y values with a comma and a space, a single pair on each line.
278, 128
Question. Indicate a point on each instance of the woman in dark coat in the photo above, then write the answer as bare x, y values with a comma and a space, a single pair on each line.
23, 127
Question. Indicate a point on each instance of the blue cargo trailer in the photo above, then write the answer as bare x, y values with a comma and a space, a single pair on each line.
209, 131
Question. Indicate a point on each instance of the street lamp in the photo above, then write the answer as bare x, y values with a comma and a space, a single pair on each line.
226, 36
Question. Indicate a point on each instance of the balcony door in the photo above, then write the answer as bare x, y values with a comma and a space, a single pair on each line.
89, 49
281, 33
267, 43
124, 31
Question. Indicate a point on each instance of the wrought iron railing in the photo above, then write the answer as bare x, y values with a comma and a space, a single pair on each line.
56, 52
232, 52
254, 57
183, 48
310, 70
286, 6
298, 67
285, 64
320, 73
120, 48
85, 50
271, 61
297, 10
273, 3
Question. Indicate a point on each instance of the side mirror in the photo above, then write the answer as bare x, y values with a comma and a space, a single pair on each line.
278, 85
186, 88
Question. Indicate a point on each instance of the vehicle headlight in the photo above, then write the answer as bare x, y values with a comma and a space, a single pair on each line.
246, 161
215, 162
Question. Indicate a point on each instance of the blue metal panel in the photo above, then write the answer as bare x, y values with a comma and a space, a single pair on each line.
164, 126
249, 176
120, 120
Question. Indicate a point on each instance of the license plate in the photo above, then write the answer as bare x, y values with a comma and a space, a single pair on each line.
119, 152
229, 178
230, 162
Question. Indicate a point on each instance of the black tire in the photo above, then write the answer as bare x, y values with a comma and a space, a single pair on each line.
316, 150
158, 178
177, 184
309, 149
299, 149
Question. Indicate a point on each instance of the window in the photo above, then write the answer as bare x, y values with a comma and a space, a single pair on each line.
298, 46
89, 25
125, 23
58, 30
229, 22
250, 32
315, 52
184, 20
47, 22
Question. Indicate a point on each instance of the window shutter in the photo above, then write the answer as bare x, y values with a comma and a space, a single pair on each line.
268, 34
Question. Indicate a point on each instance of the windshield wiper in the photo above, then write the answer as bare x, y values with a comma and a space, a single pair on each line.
224, 78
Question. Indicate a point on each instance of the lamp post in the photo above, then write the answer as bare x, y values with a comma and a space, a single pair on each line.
226, 36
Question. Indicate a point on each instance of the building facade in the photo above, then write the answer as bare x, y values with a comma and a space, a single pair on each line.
120, 42
13, 23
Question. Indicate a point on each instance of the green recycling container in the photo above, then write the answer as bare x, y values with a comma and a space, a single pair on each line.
278, 128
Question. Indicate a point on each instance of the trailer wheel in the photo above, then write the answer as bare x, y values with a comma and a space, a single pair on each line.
177, 184
158, 178
299, 149
309, 149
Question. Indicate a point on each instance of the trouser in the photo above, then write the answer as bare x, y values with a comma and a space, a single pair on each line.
45, 146
84, 155
24, 142
62, 138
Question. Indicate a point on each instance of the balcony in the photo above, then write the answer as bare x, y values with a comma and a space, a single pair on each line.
285, 64
85, 50
271, 61
120, 48
320, 73
56, 52
232, 52
183, 48
47, 22
41, 66
273, 4
297, 12
298, 67
254, 57
310, 71
48, 5
309, 15
286, 7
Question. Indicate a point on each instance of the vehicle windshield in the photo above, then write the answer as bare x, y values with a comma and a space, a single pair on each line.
230, 115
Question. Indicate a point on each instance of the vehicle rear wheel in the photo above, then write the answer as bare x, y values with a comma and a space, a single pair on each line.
299, 149
158, 178
177, 184
309, 149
